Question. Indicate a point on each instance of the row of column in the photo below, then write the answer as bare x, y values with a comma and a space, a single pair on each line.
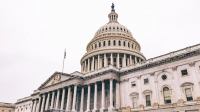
99, 61
43, 103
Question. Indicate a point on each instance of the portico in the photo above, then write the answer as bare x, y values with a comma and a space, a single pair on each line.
101, 95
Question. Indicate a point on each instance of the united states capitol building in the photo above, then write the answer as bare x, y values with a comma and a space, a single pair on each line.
116, 76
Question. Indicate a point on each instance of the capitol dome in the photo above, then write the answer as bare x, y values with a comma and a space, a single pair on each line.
112, 44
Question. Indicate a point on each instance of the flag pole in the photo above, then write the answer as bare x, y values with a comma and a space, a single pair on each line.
64, 60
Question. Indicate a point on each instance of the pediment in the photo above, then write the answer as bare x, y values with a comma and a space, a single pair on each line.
76, 73
55, 78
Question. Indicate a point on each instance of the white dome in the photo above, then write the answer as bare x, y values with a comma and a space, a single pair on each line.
113, 27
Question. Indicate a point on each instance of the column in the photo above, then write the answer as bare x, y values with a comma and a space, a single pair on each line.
85, 67
118, 60
34, 102
88, 64
105, 64
82, 98
52, 99
111, 59
47, 102
92, 64
117, 95
74, 98
139, 60
63, 98
43, 100
82, 67
111, 93
88, 99
57, 98
131, 60
103, 95
95, 96
135, 59
68, 98
38, 107
195, 79
124, 60
98, 61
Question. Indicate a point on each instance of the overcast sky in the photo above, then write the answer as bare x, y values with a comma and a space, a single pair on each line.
34, 34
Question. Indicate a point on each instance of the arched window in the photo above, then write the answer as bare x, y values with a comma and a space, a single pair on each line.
188, 94
128, 45
119, 43
132, 45
109, 43
106, 29
113, 27
95, 46
114, 43
117, 28
110, 28
124, 43
166, 94
99, 44
134, 102
104, 43
92, 47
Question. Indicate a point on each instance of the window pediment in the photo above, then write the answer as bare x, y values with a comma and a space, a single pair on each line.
147, 92
187, 84
134, 94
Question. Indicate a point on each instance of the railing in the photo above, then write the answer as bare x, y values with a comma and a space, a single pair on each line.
172, 54
59, 110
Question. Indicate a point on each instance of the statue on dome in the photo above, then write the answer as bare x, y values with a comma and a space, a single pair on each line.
113, 6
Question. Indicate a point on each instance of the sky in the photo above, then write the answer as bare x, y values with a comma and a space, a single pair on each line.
34, 34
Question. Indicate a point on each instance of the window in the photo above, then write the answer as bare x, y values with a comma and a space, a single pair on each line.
99, 44
164, 77
119, 42
133, 84
134, 102
124, 43
128, 45
148, 101
95, 46
166, 94
114, 43
109, 43
104, 43
146, 81
184, 72
188, 94
132, 45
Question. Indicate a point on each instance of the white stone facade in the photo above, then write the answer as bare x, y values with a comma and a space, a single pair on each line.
115, 76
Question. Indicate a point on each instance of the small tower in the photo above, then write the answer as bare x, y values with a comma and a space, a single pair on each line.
113, 16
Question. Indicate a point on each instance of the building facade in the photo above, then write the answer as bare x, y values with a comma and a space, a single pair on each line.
7, 107
116, 76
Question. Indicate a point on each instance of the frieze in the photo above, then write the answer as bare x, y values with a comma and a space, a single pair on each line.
161, 62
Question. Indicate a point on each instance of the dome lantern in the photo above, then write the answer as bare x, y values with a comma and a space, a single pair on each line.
113, 16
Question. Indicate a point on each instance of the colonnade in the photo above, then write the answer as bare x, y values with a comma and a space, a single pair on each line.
71, 98
103, 60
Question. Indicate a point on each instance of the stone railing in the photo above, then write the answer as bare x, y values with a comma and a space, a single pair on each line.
7, 105
171, 54
109, 67
24, 99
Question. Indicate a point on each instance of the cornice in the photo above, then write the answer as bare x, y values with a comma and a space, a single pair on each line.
161, 62
113, 50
